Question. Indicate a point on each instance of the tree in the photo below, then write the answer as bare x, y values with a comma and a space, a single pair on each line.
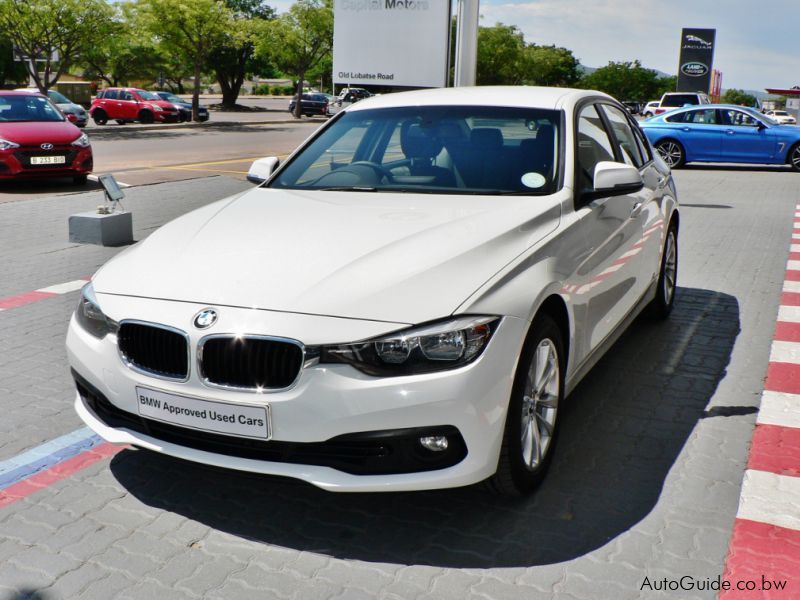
57, 31
10, 69
550, 66
192, 28
299, 40
500, 55
625, 81
740, 97
235, 57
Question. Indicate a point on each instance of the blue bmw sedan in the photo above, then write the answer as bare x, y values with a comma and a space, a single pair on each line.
722, 133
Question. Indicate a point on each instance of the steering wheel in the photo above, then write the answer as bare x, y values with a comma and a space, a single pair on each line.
358, 173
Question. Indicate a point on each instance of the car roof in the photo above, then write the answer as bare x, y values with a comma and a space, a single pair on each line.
19, 92
516, 96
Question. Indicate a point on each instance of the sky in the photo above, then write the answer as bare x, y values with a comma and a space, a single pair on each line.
757, 42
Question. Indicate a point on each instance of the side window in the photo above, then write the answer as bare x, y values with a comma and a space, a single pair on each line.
642, 143
594, 146
111, 95
737, 118
680, 117
620, 126
125, 96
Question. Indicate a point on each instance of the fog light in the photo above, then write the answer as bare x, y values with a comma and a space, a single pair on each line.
434, 443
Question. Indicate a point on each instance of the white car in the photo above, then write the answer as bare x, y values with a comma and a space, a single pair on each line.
782, 117
650, 108
403, 305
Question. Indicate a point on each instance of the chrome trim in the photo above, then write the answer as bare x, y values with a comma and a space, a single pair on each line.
141, 371
248, 336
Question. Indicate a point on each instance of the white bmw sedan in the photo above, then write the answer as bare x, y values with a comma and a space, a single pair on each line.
404, 303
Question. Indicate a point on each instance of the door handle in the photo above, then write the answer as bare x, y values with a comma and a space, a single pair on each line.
662, 180
636, 210
730, 132
686, 129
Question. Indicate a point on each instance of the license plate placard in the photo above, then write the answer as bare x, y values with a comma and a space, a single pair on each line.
239, 420
48, 160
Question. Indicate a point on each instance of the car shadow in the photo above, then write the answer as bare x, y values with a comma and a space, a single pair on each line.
55, 185
622, 430
120, 133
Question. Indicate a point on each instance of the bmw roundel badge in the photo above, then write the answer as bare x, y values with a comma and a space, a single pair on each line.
205, 318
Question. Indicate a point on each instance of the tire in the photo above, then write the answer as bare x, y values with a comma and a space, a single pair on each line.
793, 158
80, 179
661, 306
145, 117
531, 428
672, 152
100, 117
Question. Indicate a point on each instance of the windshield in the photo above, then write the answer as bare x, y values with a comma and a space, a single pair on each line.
147, 95
433, 149
680, 100
27, 108
58, 98
170, 97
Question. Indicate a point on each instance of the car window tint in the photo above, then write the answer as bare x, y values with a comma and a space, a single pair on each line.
111, 95
126, 96
594, 146
676, 100
620, 126
737, 118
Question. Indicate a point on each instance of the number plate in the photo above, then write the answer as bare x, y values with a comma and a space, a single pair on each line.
218, 417
48, 160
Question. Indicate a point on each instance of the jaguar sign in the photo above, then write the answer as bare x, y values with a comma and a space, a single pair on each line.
696, 59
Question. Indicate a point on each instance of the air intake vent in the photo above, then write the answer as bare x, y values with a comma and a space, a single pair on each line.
154, 349
250, 362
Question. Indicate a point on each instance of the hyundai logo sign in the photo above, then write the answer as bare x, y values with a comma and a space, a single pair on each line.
205, 318
694, 69
46, 146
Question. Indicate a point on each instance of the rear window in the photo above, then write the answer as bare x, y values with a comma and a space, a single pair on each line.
675, 100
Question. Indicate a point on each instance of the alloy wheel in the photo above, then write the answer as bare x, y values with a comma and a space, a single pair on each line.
796, 158
540, 404
670, 266
671, 152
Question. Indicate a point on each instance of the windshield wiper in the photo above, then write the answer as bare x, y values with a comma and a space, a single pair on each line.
347, 188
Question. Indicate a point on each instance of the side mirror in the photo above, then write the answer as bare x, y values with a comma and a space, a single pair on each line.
614, 179
262, 169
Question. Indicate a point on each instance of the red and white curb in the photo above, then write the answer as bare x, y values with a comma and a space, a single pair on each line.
765, 545
18, 300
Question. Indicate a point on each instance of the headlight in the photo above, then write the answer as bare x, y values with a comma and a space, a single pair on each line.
6, 145
157, 108
82, 141
90, 317
439, 346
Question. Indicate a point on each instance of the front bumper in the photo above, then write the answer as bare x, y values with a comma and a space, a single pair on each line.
16, 163
336, 428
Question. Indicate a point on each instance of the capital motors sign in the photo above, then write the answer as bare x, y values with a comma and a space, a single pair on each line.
391, 42
696, 60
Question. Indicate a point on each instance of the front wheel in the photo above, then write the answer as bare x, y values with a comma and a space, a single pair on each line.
661, 306
100, 117
794, 157
531, 427
672, 153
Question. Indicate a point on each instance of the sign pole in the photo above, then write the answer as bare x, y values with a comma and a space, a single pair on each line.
466, 42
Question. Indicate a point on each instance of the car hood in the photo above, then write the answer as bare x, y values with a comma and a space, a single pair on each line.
33, 133
378, 256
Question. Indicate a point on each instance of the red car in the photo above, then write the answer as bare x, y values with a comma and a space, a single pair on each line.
37, 141
125, 105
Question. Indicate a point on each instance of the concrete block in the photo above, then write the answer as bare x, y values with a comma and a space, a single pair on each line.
105, 230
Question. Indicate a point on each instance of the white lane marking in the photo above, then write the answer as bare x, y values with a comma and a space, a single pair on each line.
44, 450
778, 408
63, 288
789, 314
770, 498
785, 352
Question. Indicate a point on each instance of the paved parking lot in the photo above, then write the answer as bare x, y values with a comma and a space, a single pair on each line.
645, 482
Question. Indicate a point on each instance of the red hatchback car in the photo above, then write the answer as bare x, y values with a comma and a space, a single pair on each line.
37, 141
125, 105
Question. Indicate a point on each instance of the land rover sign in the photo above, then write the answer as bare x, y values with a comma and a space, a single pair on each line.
391, 42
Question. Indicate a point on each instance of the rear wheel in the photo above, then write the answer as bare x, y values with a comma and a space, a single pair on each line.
531, 427
100, 117
661, 306
672, 153
146, 117
794, 157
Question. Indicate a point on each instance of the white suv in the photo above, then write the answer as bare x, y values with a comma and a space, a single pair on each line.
672, 100
650, 108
